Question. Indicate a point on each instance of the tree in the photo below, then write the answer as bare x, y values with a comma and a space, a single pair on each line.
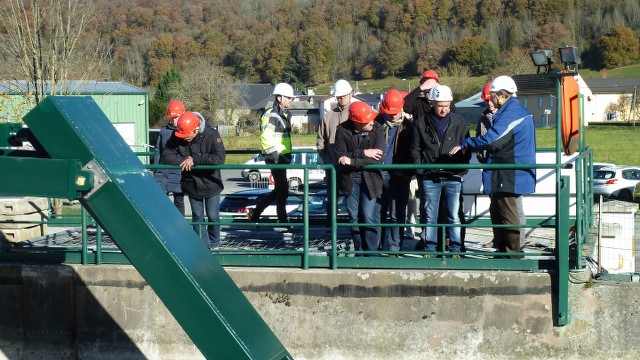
476, 53
551, 36
50, 42
169, 87
394, 55
211, 91
618, 47
314, 56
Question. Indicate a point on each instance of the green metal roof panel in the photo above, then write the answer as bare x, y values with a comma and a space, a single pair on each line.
75, 87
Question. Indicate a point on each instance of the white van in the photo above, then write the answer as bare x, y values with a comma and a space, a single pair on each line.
295, 176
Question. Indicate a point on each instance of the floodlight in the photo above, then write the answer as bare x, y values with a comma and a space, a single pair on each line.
542, 57
569, 55
543, 60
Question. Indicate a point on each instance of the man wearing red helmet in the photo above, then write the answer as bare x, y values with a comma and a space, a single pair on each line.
192, 144
395, 189
416, 102
360, 142
169, 179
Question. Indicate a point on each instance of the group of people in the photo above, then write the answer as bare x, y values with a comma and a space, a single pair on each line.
188, 141
418, 128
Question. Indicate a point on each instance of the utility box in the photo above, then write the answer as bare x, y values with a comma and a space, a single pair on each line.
21, 218
617, 239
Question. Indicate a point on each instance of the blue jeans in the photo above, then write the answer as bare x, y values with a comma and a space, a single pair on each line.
210, 237
430, 201
395, 195
364, 209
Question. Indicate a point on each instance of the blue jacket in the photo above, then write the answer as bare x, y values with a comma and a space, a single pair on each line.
168, 179
511, 140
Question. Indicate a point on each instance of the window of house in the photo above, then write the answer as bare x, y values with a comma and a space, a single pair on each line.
539, 102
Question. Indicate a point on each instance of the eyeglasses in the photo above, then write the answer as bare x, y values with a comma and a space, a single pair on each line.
342, 97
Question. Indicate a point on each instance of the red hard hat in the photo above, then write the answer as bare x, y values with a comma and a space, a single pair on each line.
430, 74
175, 109
187, 122
486, 94
360, 112
392, 102
404, 94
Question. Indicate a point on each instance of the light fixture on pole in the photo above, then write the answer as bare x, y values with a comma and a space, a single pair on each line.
543, 60
570, 57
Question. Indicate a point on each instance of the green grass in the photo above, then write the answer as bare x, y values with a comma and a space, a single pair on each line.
610, 143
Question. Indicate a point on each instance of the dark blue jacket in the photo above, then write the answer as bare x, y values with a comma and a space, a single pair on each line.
168, 179
511, 140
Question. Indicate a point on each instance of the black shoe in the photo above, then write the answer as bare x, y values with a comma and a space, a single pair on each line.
251, 216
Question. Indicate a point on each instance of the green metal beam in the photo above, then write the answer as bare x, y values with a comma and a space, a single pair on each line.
45, 177
151, 232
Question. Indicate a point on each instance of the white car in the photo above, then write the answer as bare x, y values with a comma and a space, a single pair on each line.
295, 176
616, 182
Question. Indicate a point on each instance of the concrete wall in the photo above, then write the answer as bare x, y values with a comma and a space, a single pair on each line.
109, 312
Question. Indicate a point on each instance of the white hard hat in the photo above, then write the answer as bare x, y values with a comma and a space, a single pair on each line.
503, 83
440, 93
341, 88
283, 89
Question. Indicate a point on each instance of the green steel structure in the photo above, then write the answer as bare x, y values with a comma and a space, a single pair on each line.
81, 155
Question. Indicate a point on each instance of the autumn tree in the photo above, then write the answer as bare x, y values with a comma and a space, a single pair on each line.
314, 56
551, 36
394, 55
476, 53
49, 42
618, 47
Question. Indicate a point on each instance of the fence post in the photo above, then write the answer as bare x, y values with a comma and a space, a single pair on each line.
562, 249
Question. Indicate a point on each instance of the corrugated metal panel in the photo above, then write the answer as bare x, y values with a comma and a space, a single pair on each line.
74, 87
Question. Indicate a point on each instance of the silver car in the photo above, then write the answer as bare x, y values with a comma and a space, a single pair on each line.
616, 182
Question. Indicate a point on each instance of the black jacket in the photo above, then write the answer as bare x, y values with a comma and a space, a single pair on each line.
346, 145
205, 149
426, 147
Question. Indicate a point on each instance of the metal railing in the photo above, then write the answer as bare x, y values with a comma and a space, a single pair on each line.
558, 261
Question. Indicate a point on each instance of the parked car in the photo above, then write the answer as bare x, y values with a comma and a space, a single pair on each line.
237, 204
317, 209
599, 165
294, 176
616, 182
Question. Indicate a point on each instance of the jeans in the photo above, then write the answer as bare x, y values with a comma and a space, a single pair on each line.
210, 237
432, 190
395, 194
364, 209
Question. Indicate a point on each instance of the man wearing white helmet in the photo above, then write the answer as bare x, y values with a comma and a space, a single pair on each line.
326, 138
511, 140
275, 140
434, 135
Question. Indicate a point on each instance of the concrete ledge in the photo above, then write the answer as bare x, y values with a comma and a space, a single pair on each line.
110, 312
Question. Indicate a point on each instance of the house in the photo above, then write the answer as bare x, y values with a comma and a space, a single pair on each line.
604, 94
124, 105
255, 99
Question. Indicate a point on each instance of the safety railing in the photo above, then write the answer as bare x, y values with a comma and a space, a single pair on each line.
294, 248
582, 220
